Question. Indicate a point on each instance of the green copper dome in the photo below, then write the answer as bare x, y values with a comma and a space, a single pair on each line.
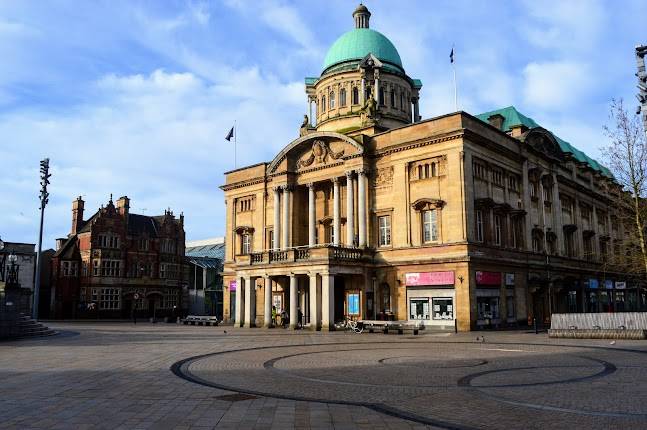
357, 44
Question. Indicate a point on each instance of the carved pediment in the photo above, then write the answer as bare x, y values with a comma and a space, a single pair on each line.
320, 153
313, 150
543, 141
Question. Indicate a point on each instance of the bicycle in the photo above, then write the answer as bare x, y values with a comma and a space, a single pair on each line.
351, 325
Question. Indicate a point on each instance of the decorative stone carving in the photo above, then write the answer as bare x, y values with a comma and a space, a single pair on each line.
383, 177
368, 114
320, 154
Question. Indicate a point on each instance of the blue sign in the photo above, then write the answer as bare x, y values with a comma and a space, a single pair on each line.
353, 304
593, 283
608, 284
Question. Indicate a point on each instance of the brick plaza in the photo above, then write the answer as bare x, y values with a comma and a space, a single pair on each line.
162, 376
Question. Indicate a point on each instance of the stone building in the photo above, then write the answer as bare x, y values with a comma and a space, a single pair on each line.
477, 221
117, 262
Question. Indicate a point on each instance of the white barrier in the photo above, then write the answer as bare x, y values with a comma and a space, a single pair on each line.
585, 321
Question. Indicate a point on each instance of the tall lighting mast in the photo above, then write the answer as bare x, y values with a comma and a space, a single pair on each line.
44, 195
642, 83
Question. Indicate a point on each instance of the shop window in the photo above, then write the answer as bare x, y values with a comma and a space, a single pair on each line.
419, 309
443, 308
429, 226
385, 293
355, 96
488, 307
384, 234
342, 97
509, 303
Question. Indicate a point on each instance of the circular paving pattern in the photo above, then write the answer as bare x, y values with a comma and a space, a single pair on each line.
444, 384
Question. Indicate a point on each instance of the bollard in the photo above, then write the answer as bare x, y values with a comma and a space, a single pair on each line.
534, 322
455, 326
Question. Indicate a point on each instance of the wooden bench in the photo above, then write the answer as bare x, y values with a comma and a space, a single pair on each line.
200, 320
386, 326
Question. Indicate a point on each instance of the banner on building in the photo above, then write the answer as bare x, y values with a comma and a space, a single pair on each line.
429, 278
488, 278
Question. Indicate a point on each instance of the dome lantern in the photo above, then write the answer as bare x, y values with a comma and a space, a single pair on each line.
362, 16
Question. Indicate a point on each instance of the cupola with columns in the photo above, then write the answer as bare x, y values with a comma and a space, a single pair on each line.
363, 84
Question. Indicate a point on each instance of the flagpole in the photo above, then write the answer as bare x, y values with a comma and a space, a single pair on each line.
235, 146
454, 73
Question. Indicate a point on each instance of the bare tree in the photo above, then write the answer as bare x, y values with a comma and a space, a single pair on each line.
627, 158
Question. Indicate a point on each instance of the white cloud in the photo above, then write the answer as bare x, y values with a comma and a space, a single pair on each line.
158, 138
556, 85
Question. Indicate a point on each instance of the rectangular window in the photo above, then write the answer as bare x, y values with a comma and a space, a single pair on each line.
479, 226
85, 268
162, 271
384, 224
170, 300
429, 226
246, 245
95, 268
512, 183
110, 298
509, 304
419, 309
497, 177
110, 268
488, 307
497, 229
342, 97
479, 170
443, 308
95, 295
65, 268
143, 244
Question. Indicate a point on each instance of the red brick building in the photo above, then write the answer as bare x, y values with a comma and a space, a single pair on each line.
117, 260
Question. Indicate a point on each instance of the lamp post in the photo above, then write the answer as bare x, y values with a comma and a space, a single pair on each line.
44, 181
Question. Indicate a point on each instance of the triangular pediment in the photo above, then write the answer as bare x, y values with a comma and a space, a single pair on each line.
370, 61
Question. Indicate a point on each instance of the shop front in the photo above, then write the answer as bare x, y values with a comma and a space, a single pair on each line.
488, 299
431, 298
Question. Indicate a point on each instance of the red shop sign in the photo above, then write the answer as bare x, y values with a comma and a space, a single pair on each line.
488, 278
429, 278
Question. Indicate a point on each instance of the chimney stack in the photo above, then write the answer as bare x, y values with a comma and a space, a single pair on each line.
123, 205
59, 242
77, 214
496, 120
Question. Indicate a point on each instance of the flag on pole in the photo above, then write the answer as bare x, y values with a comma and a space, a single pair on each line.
230, 134
451, 56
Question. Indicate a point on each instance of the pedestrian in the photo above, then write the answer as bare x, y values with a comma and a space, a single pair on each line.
273, 315
300, 319
284, 318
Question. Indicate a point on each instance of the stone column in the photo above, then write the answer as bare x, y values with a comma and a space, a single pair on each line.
527, 230
286, 217
250, 302
557, 217
311, 215
336, 212
238, 312
327, 302
293, 301
350, 210
314, 301
267, 305
416, 110
361, 206
276, 233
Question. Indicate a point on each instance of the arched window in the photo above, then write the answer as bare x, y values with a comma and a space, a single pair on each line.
323, 103
355, 96
419, 172
332, 100
342, 97
392, 98
426, 170
433, 169
381, 97
402, 101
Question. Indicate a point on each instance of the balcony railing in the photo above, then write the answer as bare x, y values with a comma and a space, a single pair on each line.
304, 253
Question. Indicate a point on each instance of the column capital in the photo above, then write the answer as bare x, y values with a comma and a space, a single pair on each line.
277, 188
310, 184
335, 180
349, 174
362, 171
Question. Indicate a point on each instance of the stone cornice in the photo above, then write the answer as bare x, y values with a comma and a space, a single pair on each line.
417, 144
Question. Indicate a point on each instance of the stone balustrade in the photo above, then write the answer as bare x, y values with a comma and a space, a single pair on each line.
304, 253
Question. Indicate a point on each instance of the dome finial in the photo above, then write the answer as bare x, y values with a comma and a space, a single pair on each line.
361, 15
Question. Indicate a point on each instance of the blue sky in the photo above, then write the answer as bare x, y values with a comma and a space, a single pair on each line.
135, 97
